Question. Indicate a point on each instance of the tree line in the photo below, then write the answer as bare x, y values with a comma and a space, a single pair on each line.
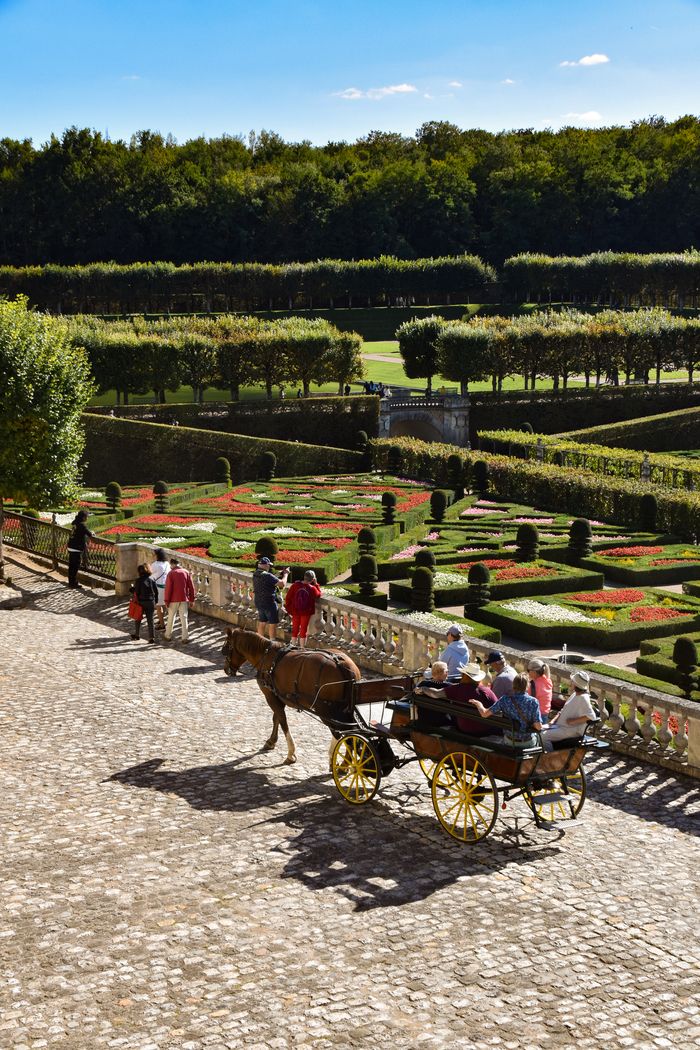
135, 357
547, 344
80, 197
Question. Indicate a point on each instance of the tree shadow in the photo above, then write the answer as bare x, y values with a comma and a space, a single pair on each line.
371, 855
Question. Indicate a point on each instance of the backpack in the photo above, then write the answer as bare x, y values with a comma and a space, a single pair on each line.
303, 601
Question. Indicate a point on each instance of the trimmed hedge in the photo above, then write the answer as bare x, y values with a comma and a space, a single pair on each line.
613, 462
656, 661
565, 490
310, 420
579, 579
135, 451
552, 412
659, 433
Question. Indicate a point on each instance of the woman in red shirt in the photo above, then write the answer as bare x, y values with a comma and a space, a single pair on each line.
300, 603
540, 686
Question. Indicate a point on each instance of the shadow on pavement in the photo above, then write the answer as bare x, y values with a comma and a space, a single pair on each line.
645, 791
362, 853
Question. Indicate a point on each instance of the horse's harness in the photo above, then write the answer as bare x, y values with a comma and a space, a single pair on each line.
267, 669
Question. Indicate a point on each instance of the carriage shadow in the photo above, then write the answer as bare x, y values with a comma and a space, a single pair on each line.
361, 853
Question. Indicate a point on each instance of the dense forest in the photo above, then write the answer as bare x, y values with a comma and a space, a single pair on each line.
83, 198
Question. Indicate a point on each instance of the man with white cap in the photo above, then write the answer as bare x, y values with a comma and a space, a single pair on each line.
456, 652
570, 722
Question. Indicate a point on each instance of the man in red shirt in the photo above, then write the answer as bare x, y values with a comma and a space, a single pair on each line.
179, 595
470, 688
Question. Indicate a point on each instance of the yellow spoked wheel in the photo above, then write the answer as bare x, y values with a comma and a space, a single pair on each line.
464, 797
572, 789
428, 767
357, 771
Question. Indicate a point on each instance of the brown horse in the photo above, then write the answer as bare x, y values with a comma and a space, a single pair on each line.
316, 680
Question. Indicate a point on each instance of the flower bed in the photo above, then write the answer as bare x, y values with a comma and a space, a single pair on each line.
546, 621
647, 565
451, 588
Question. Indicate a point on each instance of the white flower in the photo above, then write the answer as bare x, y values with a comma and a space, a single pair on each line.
435, 623
548, 613
240, 545
335, 592
164, 541
377, 497
61, 519
92, 495
284, 530
449, 579
341, 492
301, 506
198, 526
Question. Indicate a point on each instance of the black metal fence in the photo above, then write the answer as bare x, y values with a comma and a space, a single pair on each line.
50, 541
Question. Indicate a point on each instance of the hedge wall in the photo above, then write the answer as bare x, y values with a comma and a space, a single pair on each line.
136, 452
566, 490
556, 412
318, 420
657, 433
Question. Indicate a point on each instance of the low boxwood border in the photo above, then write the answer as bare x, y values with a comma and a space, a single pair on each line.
575, 579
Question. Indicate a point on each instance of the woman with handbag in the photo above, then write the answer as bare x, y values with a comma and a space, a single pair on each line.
145, 594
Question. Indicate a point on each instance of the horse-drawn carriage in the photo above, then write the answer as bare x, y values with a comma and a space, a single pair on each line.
470, 777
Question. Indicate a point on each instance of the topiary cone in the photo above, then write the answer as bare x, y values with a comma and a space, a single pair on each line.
113, 495
266, 547
367, 574
580, 540
388, 508
422, 597
528, 542
438, 504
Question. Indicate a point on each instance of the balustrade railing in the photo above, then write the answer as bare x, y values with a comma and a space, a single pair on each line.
642, 722
50, 540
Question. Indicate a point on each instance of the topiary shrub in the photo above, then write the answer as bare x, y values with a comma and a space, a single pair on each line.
422, 598
160, 491
426, 558
480, 477
266, 547
361, 441
113, 495
367, 541
222, 470
394, 460
388, 508
648, 510
478, 591
439, 500
685, 657
455, 475
580, 540
266, 466
528, 542
367, 574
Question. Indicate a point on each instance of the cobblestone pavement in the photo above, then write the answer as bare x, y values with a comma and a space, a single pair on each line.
166, 884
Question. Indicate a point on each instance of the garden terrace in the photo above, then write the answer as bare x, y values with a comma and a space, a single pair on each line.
509, 579
647, 565
135, 500
314, 521
612, 620
664, 432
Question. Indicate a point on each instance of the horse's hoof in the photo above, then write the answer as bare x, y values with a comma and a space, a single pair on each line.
290, 760
268, 746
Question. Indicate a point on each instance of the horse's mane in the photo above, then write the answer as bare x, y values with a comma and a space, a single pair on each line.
254, 644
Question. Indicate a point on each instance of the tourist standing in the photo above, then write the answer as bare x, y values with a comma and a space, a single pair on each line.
300, 603
77, 542
145, 592
179, 594
159, 571
266, 587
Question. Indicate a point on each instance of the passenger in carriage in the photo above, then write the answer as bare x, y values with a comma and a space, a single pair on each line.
470, 688
570, 723
433, 685
522, 709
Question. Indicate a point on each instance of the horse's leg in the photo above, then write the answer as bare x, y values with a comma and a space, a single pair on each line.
279, 720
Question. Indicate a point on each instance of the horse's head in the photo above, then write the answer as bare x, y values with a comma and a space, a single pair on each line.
233, 657
241, 645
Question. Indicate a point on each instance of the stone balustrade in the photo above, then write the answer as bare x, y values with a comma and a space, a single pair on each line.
647, 724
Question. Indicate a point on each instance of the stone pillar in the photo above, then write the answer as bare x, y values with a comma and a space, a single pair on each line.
694, 745
127, 563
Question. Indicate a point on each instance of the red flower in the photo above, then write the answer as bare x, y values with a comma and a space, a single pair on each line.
672, 561
338, 543
619, 597
123, 529
655, 613
490, 563
629, 552
524, 572
162, 519
196, 552
350, 526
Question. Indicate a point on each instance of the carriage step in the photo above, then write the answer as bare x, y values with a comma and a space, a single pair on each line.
549, 825
550, 799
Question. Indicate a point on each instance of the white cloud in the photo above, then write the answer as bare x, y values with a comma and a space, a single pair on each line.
588, 60
591, 116
354, 93
132, 76
455, 83
426, 95
507, 81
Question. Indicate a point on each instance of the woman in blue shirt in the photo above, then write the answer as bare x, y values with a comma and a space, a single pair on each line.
522, 709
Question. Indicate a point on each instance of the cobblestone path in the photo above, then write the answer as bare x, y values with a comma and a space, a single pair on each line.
165, 884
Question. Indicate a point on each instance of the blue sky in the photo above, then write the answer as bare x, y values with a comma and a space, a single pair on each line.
319, 70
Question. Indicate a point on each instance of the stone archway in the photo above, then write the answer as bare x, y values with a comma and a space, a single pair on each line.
418, 427
434, 418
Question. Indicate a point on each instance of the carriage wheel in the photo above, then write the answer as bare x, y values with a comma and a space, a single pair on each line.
465, 798
357, 769
428, 766
573, 785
